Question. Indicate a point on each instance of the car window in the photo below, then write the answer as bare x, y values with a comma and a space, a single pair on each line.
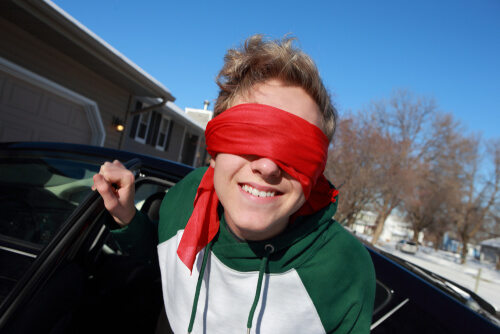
145, 190
37, 195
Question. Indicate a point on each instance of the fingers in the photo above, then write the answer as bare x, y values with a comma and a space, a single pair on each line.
116, 185
108, 193
117, 175
116, 172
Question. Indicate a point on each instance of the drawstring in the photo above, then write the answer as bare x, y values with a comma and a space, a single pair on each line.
198, 287
269, 249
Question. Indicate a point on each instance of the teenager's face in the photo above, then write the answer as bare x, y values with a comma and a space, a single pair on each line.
258, 197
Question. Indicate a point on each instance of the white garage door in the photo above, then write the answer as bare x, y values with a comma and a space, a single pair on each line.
31, 113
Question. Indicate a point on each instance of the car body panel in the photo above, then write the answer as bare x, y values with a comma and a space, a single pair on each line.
428, 307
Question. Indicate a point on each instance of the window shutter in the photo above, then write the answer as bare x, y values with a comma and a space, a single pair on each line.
156, 130
152, 128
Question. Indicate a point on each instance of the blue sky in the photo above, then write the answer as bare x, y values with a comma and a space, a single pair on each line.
448, 50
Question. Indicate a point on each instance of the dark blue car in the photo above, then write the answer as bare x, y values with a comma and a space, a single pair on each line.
62, 272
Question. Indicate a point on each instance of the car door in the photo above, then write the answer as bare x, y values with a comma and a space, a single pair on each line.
82, 281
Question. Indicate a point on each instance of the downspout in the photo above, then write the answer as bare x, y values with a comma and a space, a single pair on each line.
159, 105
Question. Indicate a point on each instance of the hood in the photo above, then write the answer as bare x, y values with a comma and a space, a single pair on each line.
290, 248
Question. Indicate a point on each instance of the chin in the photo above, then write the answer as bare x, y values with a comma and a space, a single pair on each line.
256, 233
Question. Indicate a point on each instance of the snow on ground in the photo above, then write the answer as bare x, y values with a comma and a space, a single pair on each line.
448, 265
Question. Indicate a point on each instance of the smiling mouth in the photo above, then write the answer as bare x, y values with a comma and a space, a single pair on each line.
258, 193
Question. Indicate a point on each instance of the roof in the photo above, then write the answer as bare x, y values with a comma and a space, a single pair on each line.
495, 243
182, 115
172, 110
52, 25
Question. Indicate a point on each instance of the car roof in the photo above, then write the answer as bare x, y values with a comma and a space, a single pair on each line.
93, 153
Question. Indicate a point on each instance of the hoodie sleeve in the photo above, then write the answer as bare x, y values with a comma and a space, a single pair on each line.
139, 238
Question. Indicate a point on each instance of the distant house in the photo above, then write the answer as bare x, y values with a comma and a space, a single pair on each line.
365, 223
60, 82
201, 116
395, 227
490, 250
168, 130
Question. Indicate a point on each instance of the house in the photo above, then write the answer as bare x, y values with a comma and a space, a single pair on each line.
60, 82
201, 116
490, 250
365, 223
395, 227
168, 130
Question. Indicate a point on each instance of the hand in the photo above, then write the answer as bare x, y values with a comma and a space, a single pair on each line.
116, 184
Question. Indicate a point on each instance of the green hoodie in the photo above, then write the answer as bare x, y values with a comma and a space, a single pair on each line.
317, 279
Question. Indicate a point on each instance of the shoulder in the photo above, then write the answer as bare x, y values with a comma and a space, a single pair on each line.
190, 182
177, 205
340, 240
340, 253
340, 279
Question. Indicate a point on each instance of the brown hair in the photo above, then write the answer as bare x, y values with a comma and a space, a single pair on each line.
260, 60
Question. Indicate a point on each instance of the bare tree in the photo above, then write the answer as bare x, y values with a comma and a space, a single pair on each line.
427, 198
401, 153
477, 191
350, 166
422, 203
403, 119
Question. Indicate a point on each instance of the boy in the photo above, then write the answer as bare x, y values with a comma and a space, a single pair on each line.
258, 247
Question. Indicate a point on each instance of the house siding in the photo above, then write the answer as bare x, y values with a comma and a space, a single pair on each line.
25, 50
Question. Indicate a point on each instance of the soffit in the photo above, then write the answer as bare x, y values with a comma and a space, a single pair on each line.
59, 30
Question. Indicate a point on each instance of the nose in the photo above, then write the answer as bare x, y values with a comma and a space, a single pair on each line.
265, 167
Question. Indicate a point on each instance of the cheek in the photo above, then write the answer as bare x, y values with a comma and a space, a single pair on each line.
219, 181
298, 194
221, 171
226, 163
225, 168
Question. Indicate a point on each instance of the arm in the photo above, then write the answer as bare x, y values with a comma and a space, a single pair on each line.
139, 238
138, 235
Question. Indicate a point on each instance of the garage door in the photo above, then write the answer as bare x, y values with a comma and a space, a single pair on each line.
30, 113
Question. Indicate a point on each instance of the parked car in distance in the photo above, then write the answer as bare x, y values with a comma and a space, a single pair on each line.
61, 270
407, 246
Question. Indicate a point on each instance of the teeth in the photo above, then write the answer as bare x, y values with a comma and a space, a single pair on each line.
257, 193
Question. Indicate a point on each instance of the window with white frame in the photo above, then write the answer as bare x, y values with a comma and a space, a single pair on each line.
151, 128
142, 127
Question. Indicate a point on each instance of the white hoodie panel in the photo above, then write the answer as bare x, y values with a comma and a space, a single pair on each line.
284, 305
